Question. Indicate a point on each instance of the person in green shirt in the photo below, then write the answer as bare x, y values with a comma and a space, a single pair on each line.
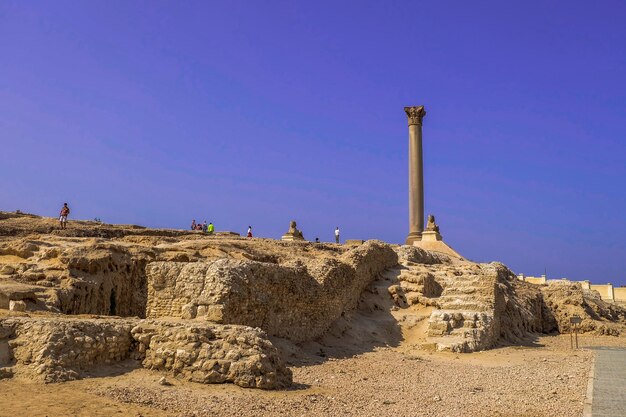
211, 228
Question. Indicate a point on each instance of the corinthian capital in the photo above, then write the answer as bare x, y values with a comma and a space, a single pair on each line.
415, 114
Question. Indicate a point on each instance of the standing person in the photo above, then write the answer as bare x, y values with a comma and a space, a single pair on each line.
249, 231
337, 235
211, 228
65, 211
204, 227
193, 224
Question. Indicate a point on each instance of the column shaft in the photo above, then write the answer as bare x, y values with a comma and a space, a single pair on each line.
416, 174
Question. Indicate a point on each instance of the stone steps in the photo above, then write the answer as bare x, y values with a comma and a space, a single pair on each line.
464, 319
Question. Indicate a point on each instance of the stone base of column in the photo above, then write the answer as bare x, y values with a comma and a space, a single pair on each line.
435, 245
290, 237
413, 237
430, 236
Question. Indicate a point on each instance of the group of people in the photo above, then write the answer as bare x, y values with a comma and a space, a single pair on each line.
203, 227
209, 228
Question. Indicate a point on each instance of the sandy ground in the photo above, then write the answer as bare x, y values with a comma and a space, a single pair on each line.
545, 378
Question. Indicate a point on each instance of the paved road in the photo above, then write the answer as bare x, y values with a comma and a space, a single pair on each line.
609, 385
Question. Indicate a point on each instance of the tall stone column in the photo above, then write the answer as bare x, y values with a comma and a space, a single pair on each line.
416, 174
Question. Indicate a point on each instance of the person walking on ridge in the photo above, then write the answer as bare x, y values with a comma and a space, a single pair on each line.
65, 211
249, 231
211, 228
337, 235
204, 227
193, 224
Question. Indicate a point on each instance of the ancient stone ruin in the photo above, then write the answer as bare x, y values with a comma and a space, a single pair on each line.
196, 307
293, 233
216, 309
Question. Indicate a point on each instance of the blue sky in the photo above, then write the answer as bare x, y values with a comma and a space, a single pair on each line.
256, 113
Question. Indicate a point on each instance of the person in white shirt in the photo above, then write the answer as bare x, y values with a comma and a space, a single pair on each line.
337, 235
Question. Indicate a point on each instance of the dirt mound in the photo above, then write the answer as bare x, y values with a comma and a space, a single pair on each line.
564, 300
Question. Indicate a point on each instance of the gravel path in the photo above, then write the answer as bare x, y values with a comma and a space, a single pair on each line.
512, 381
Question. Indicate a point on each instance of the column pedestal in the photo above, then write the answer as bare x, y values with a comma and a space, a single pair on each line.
430, 236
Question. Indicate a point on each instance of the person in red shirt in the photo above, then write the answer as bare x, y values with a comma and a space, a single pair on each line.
65, 211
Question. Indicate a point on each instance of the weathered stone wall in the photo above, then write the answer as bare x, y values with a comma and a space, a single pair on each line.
62, 349
209, 353
75, 276
298, 299
519, 307
105, 279
56, 350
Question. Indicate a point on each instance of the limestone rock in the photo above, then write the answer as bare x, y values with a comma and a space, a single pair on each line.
54, 350
208, 353
163, 381
63, 349
298, 300
477, 305
564, 299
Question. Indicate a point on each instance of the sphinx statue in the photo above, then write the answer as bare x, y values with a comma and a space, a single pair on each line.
293, 233
431, 226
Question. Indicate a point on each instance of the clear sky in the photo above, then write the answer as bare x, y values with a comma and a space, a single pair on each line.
260, 112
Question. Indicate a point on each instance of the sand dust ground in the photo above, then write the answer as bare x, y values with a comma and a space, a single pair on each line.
542, 379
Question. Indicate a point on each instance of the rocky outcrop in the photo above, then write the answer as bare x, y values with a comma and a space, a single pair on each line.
565, 299
99, 276
209, 353
63, 349
478, 306
519, 308
54, 350
298, 299
75, 277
